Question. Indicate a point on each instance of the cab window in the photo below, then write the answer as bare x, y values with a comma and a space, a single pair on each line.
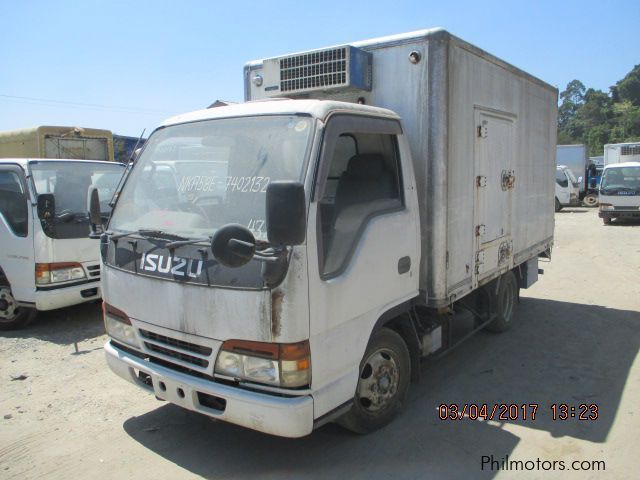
363, 181
561, 179
13, 202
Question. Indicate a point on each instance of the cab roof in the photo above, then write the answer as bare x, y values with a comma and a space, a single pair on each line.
23, 162
624, 164
320, 109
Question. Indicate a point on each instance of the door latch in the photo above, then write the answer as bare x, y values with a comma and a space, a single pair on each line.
508, 180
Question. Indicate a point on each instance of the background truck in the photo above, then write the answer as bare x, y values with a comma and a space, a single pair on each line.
620, 192
567, 185
57, 142
575, 158
283, 263
46, 259
621, 152
123, 147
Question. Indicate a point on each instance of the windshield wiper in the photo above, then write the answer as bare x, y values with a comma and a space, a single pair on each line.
180, 243
150, 234
67, 216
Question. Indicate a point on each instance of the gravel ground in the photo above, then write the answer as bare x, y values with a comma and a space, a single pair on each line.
576, 341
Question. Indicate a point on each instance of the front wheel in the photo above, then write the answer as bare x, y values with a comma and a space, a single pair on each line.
12, 316
606, 220
506, 300
558, 206
382, 385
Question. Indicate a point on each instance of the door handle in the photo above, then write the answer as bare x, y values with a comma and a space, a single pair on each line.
404, 264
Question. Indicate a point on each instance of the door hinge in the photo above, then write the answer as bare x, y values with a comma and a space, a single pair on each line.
481, 181
483, 129
480, 230
479, 260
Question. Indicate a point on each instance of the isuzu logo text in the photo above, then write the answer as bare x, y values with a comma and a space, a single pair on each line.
177, 266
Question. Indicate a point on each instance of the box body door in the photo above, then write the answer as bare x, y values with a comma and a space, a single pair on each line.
495, 183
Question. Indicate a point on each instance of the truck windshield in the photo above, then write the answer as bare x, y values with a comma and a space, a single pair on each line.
620, 179
69, 182
193, 178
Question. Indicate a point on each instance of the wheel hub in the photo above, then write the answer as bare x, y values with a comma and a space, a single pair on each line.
378, 381
7, 304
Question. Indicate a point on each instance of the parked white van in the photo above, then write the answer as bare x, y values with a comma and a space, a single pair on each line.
567, 188
46, 259
620, 191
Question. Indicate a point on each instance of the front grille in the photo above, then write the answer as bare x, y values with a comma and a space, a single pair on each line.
173, 342
178, 351
178, 355
313, 70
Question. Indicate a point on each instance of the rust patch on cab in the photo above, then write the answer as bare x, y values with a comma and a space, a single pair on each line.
276, 310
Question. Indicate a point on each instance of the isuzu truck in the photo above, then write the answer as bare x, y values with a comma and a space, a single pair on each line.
288, 261
620, 192
46, 259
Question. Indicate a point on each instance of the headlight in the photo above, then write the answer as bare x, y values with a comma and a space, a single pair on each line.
119, 326
47, 273
606, 206
279, 364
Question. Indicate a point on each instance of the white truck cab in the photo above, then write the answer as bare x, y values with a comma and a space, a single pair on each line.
46, 259
567, 188
620, 192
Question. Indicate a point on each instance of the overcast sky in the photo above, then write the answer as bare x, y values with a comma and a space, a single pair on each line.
125, 66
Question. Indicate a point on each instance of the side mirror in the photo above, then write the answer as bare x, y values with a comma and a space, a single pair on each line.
233, 245
46, 206
95, 216
286, 213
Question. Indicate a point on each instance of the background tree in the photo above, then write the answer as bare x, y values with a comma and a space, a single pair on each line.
594, 118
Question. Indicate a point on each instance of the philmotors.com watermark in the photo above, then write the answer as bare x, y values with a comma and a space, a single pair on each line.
489, 462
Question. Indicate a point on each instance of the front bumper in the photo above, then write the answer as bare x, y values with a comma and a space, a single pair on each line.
286, 417
619, 213
60, 297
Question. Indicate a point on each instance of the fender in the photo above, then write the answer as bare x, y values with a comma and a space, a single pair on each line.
402, 320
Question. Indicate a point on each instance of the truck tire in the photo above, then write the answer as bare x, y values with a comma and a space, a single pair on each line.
590, 200
12, 316
385, 371
558, 206
506, 300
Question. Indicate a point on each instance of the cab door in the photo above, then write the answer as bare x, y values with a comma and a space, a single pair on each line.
16, 233
563, 187
362, 247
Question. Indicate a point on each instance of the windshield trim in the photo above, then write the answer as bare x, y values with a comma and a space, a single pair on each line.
32, 182
303, 171
605, 174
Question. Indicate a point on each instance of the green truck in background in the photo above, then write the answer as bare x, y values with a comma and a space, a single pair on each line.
57, 142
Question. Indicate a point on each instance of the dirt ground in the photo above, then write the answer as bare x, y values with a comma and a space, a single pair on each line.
63, 414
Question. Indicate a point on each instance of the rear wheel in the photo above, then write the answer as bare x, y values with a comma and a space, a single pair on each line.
382, 385
506, 300
590, 200
12, 316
